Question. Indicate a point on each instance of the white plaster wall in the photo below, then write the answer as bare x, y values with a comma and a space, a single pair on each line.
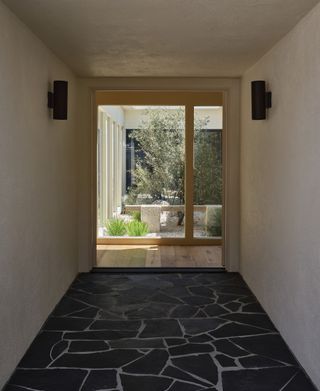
213, 115
280, 191
84, 131
133, 117
116, 113
38, 241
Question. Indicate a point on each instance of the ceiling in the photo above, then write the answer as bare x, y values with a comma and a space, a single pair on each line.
160, 37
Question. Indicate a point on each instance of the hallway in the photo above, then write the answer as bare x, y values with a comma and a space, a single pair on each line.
202, 118
159, 332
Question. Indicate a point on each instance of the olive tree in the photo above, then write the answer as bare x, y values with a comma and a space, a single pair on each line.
160, 163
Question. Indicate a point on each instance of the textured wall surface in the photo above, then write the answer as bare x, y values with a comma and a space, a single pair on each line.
38, 242
280, 191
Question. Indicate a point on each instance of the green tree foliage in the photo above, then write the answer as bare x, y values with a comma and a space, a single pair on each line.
207, 167
159, 171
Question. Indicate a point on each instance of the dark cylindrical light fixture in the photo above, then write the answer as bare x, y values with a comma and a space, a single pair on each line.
260, 100
58, 100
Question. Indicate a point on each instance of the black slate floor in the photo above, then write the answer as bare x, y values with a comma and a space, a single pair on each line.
159, 332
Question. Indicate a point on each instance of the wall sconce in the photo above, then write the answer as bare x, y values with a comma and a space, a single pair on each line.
261, 100
58, 99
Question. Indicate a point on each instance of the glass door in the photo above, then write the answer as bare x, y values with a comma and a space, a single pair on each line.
159, 171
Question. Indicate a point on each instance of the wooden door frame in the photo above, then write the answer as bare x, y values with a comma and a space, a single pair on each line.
189, 99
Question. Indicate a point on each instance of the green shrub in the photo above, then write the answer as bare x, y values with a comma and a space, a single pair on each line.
137, 228
136, 215
116, 227
216, 228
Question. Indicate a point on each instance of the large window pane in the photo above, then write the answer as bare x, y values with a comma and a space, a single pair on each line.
207, 197
140, 164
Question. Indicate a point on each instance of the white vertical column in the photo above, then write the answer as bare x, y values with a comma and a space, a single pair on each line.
119, 174
124, 161
103, 168
113, 162
109, 168
99, 169
116, 167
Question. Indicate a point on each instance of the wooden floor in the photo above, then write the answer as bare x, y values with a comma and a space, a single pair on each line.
158, 256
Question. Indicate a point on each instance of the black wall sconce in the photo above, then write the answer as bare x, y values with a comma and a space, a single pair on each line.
261, 100
58, 99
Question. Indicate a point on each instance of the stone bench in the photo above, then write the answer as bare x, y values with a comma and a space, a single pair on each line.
150, 214
204, 215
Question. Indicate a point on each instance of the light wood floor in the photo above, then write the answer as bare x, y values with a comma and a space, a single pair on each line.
158, 256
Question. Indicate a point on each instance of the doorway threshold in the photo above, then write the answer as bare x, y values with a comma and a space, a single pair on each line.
158, 270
